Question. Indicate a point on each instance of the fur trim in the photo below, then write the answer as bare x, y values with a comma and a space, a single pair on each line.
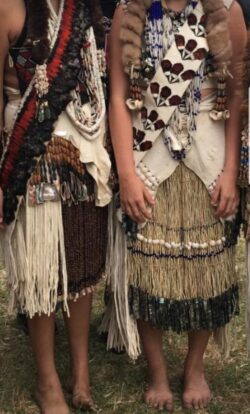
131, 32
246, 77
218, 35
217, 28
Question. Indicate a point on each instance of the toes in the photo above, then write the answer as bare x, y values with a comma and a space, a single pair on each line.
201, 404
187, 403
198, 404
149, 402
205, 402
169, 406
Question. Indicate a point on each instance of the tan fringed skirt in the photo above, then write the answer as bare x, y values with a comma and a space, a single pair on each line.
182, 267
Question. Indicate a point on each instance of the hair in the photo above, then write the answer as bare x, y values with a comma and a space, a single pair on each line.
38, 27
217, 27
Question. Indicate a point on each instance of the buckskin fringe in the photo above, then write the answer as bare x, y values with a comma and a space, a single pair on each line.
29, 137
117, 322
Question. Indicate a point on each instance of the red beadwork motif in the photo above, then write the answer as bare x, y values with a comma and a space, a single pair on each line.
189, 50
175, 73
163, 96
139, 144
151, 121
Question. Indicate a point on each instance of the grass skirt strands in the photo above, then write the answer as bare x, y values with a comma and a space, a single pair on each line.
181, 268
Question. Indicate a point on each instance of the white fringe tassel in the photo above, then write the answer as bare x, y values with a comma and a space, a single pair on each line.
34, 255
121, 328
222, 337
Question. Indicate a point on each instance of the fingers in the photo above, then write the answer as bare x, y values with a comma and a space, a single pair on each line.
227, 207
1, 209
145, 211
149, 199
225, 198
136, 200
137, 212
137, 209
215, 196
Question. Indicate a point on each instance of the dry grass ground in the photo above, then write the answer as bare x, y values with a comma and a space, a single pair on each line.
117, 383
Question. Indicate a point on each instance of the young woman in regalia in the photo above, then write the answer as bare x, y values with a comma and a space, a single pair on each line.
175, 126
54, 173
244, 176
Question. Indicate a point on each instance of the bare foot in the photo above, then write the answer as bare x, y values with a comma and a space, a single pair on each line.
82, 400
159, 395
197, 394
81, 395
50, 399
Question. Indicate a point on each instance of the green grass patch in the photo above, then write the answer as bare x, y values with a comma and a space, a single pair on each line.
117, 383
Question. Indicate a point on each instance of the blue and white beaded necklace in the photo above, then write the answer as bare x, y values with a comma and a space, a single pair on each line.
161, 26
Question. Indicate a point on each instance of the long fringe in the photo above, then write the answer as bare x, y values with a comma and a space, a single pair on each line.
121, 328
35, 246
45, 250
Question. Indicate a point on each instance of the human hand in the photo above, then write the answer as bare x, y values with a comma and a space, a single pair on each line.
2, 226
225, 197
135, 198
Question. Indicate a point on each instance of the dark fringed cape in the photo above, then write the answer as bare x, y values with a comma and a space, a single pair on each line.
29, 137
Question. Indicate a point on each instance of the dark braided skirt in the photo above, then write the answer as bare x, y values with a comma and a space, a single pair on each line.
85, 234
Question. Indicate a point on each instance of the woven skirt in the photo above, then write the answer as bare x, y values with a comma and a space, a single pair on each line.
85, 237
182, 266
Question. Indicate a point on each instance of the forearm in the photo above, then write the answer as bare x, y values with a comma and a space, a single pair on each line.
233, 128
122, 137
1, 110
234, 89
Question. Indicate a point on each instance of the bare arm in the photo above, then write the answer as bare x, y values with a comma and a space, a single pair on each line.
120, 118
134, 196
233, 124
226, 194
4, 48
